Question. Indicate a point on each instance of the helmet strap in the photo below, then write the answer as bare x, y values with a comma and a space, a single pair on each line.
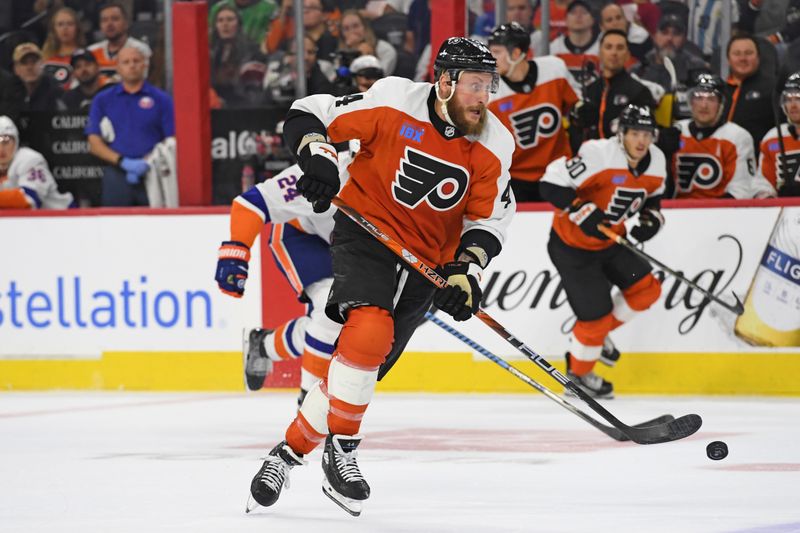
512, 63
443, 101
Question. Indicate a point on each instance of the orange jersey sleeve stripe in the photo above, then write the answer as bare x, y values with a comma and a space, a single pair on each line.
14, 199
276, 243
245, 224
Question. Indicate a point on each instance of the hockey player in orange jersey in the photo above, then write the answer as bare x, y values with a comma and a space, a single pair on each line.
533, 98
715, 158
432, 173
784, 160
608, 182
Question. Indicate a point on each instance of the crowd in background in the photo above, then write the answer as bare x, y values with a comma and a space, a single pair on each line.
58, 55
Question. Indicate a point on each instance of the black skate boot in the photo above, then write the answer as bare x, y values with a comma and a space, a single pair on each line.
343, 482
272, 476
591, 383
609, 355
257, 365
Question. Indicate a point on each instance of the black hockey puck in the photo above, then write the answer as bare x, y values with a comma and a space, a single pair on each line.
717, 450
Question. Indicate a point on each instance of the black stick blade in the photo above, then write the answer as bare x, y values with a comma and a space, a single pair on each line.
677, 429
738, 308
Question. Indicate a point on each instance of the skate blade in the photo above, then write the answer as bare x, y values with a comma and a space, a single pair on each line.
252, 504
352, 507
607, 362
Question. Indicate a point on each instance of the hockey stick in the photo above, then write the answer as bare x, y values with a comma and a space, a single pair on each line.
780, 170
612, 432
674, 430
737, 309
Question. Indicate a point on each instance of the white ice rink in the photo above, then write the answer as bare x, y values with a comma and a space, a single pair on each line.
127, 462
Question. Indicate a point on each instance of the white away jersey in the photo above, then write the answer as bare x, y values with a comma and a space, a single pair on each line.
29, 173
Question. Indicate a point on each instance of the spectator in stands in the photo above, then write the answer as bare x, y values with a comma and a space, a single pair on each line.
671, 44
114, 25
615, 89
779, 21
125, 122
365, 70
12, 95
612, 17
86, 72
254, 16
749, 91
281, 74
25, 178
418, 33
41, 93
558, 16
580, 45
357, 36
705, 24
230, 50
281, 29
780, 149
715, 158
65, 35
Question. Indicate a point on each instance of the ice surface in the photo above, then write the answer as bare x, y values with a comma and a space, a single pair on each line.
136, 462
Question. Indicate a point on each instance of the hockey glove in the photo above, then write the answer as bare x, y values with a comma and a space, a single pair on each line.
462, 296
137, 167
587, 216
650, 222
669, 140
320, 180
232, 268
584, 114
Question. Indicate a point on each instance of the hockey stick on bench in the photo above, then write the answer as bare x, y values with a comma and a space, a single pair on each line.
738, 309
612, 432
676, 429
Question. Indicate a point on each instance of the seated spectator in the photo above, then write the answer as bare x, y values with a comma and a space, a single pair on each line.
230, 51
254, 16
12, 95
644, 13
715, 158
418, 32
558, 16
779, 21
612, 17
63, 38
671, 44
25, 178
365, 71
125, 122
281, 29
41, 93
114, 25
357, 35
780, 152
579, 47
86, 73
281, 75
749, 90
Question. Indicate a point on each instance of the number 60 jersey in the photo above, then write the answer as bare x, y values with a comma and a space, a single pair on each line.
600, 174
416, 177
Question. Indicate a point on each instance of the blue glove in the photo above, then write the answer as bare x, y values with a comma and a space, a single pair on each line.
137, 167
132, 178
232, 268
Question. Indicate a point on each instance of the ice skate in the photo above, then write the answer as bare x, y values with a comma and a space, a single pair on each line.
609, 355
343, 482
592, 384
272, 476
257, 366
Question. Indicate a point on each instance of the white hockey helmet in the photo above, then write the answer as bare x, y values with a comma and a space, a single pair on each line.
9, 129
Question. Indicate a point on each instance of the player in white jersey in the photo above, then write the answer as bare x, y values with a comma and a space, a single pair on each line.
25, 178
780, 153
299, 240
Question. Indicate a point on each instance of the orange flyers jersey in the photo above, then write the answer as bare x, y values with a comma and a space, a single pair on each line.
415, 176
107, 61
600, 174
534, 116
770, 163
710, 167
578, 59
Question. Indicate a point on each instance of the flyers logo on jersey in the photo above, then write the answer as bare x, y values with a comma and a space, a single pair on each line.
533, 123
791, 170
422, 177
698, 170
624, 203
